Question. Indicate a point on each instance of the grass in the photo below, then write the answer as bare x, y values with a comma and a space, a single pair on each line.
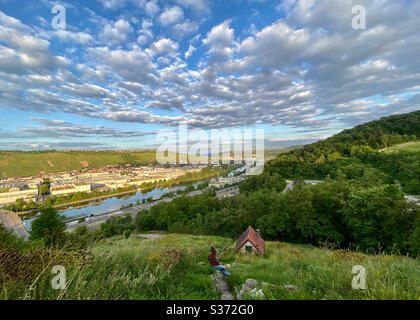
409, 146
176, 267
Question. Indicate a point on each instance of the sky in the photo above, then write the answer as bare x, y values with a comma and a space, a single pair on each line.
120, 71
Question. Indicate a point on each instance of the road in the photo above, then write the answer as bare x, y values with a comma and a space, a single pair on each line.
12, 221
290, 184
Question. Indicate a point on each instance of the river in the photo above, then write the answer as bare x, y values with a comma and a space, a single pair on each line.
113, 203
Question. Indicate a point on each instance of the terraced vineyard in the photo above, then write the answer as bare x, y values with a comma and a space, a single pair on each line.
22, 164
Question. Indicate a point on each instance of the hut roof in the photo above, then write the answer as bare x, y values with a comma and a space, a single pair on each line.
251, 235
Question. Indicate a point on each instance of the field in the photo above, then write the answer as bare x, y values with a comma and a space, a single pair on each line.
409, 146
274, 152
176, 267
22, 164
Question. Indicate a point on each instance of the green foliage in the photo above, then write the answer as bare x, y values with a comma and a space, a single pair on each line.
44, 188
362, 213
49, 226
9, 240
379, 217
265, 181
353, 151
414, 239
117, 226
176, 267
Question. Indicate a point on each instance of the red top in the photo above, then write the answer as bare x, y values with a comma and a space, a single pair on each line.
213, 259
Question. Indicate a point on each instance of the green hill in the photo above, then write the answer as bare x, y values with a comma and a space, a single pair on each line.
176, 267
352, 151
413, 146
21, 164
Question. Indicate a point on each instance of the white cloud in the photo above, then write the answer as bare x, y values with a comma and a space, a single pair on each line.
165, 47
185, 28
113, 4
220, 40
190, 51
133, 65
78, 37
171, 15
118, 32
152, 8
146, 33
199, 6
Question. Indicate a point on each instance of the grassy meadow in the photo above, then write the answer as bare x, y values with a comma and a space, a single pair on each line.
176, 267
409, 146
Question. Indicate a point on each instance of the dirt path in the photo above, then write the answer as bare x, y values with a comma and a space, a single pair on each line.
221, 285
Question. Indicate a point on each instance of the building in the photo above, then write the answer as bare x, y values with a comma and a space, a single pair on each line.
70, 188
250, 242
15, 193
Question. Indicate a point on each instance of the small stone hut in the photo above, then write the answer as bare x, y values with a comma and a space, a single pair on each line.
250, 242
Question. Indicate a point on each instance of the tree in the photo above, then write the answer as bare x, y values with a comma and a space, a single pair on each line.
49, 226
9, 240
44, 189
414, 240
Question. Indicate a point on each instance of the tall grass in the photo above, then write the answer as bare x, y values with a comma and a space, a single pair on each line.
176, 267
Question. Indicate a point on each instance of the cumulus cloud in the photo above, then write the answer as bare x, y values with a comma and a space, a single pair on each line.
171, 15
152, 8
309, 71
78, 37
118, 32
165, 47
132, 65
24, 52
198, 6
182, 29
220, 40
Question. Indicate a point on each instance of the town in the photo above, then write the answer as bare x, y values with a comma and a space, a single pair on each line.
87, 180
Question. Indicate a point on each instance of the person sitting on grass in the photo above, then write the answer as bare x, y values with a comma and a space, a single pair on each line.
215, 263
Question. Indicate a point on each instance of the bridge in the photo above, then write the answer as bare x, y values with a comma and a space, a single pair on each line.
12, 222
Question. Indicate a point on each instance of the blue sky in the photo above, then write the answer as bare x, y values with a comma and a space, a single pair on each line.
122, 70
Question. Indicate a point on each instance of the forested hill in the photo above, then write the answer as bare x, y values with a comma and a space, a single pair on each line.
377, 134
352, 151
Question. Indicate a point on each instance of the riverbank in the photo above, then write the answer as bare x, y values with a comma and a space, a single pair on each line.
204, 175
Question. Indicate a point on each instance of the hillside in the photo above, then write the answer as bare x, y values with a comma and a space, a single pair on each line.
21, 164
176, 267
352, 152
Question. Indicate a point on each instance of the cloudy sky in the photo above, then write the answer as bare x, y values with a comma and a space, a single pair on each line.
122, 70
